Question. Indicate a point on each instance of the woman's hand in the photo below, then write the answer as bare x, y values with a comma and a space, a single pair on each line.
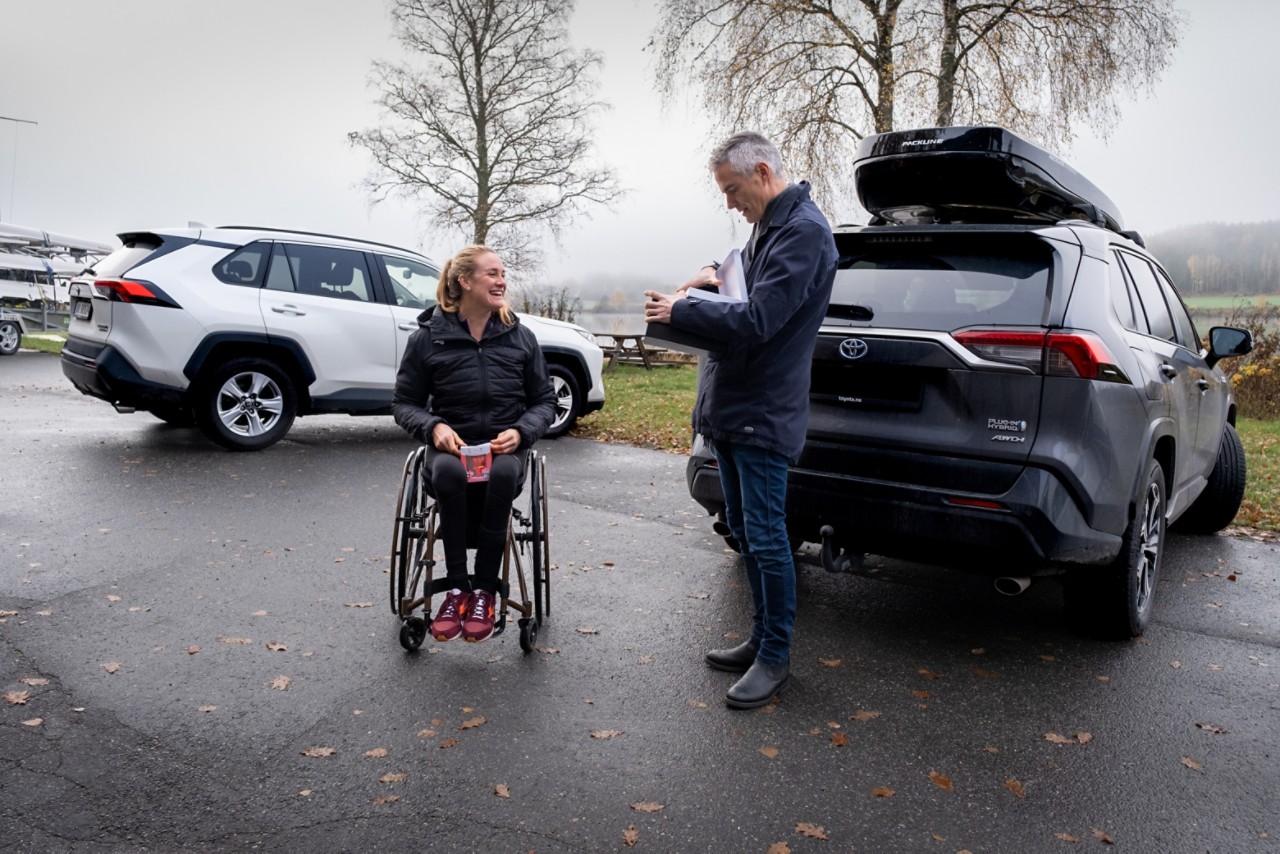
507, 442
443, 437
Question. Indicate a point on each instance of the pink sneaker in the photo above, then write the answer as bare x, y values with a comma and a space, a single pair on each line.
448, 622
478, 623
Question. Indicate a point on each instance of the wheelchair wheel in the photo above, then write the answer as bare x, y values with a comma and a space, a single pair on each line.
410, 527
414, 630
528, 634
539, 514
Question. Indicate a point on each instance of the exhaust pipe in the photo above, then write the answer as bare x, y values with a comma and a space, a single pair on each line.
721, 528
1011, 585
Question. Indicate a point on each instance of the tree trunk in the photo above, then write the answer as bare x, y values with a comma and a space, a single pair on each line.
948, 62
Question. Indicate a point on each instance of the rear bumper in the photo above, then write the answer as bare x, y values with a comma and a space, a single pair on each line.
1036, 522
105, 374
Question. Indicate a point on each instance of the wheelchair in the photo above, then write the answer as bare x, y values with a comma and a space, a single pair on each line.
413, 548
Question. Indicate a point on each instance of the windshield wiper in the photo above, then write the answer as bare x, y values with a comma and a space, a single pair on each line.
850, 312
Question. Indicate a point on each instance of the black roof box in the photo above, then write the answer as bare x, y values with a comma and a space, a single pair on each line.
972, 174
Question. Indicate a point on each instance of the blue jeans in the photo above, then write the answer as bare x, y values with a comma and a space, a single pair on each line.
754, 481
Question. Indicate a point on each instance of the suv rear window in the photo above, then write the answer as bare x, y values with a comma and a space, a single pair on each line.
944, 284
123, 260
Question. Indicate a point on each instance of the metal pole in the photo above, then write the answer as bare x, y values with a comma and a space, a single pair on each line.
13, 174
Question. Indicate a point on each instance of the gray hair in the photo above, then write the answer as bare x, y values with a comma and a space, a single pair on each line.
744, 150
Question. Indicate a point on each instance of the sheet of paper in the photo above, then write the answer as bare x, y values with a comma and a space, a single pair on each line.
733, 282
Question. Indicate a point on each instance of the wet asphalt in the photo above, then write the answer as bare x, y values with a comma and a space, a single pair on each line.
198, 654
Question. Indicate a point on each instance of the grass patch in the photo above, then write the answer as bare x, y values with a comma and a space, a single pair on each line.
649, 409
45, 342
652, 409
1261, 507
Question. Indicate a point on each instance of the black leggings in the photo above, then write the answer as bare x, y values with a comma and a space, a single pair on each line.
449, 483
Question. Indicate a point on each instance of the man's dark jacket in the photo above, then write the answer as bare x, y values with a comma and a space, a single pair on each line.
755, 386
479, 388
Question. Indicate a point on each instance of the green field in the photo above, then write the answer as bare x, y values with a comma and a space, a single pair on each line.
1226, 302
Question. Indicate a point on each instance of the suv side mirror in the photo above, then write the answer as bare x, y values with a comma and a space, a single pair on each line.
1226, 341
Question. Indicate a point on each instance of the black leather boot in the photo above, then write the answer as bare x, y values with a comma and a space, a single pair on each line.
758, 685
735, 660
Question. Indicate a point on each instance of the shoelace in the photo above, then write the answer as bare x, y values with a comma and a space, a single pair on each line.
482, 607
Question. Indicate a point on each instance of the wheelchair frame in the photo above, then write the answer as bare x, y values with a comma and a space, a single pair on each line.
413, 555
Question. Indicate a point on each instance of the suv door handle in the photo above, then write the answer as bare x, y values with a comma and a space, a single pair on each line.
407, 327
1168, 370
288, 308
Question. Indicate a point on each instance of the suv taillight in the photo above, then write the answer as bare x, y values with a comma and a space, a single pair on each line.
1061, 354
134, 291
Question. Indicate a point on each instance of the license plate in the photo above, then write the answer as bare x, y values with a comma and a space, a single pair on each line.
83, 310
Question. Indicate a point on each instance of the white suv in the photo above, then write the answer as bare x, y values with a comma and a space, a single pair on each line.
241, 329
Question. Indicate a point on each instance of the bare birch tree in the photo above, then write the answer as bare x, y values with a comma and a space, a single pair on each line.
488, 125
819, 75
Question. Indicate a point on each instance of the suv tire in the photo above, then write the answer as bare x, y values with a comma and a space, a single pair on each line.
10, 338
1217, 506
246, 404
568, 399
1115, 602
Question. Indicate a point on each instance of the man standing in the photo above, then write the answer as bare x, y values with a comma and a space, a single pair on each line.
753, 401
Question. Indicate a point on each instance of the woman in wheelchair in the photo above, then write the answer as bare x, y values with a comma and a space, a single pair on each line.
472, 374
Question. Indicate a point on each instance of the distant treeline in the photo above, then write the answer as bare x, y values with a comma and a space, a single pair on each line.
1221, 258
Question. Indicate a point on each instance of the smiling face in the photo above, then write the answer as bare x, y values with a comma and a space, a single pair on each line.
748, 194
486, 287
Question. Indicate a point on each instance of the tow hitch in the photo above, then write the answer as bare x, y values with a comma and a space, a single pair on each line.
836, 559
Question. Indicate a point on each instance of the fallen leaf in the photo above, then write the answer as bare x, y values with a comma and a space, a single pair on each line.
983, 673
647, 806
276, 647
604, 734
1103, 678
112, 666
1216, 730
829, 662
33, 722
472, 723
1055, 738
305, 793
281, 683
111, 597
385, 799
17, 698
1191, 763
319, 751
192, 650
1015, 787
645, 659
863, 715
1101, 836
207, 709
376, 753
978, 650
447, 743
697, 704
34, 681
769, 752
258, 614
778, 848
1047, 657
1176, 665
813, 831
839, 739
923, 695
231, 640
942, 781
587, 630
426, 733
359, 604
1066, 837
547, 650
1084, 737
883, 792
630, 836
929, 674
394, 777
502, 790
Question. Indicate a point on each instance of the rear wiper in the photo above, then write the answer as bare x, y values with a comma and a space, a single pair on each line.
850, 312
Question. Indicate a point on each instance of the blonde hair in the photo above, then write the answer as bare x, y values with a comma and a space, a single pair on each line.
449, 288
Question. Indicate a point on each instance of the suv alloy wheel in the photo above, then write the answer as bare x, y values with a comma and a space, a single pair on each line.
246, 404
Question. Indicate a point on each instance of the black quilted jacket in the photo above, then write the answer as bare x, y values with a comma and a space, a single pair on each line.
479, 388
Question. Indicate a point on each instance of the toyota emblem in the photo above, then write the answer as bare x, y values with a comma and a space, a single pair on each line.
853, 348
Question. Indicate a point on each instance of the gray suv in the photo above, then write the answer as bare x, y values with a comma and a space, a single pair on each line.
1007, 382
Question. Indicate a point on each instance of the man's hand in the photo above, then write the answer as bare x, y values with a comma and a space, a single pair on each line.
658, 308
706, 276
507, 442
443, 437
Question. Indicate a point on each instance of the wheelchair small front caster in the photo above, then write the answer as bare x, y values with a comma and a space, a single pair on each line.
528, 634
412, 633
